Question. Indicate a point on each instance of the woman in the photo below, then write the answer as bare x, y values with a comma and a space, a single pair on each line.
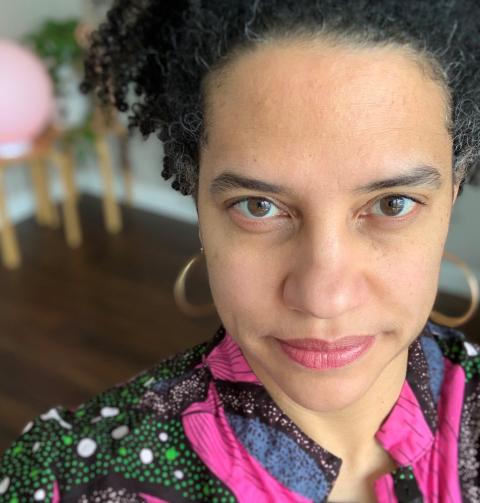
325, 144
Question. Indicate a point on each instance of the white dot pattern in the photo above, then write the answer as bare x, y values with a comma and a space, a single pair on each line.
109, 411
146, 456
53, 414
471, 351
39, 495
28, 427
120, 432
163, 436
4, 485
86, 447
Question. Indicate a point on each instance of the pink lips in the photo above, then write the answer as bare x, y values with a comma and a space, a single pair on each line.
323, 355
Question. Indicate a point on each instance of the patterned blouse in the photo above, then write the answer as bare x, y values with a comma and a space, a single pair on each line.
199, 426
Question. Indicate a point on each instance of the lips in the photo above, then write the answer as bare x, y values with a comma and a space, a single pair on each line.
324, 355
321, 345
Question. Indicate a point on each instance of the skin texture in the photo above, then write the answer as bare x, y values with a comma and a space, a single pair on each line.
325, 261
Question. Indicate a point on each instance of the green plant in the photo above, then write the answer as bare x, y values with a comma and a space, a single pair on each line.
56, 44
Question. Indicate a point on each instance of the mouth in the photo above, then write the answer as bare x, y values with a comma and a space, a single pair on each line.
326, 355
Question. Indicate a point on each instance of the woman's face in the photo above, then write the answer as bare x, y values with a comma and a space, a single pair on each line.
328, 252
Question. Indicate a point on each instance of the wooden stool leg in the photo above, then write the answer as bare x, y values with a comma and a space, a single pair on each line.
126, 169
40, 198
70, 213
70, 159
111, 209
10, 251
46, 210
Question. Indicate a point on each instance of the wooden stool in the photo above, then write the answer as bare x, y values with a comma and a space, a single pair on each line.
102, 126
42, 151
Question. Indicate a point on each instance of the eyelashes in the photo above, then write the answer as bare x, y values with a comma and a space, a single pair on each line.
410, 203
400, 204
245, 202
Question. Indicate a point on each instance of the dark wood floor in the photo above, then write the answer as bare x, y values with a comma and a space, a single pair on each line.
75, 322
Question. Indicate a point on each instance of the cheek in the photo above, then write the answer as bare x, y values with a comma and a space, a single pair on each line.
247, 289
410, 280
411, 263
240, 280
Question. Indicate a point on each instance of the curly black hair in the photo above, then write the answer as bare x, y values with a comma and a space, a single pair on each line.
163, 53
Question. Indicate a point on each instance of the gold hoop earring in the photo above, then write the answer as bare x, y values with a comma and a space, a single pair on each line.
456, 321
179, 292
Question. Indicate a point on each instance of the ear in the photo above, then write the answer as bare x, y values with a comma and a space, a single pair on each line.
456, 188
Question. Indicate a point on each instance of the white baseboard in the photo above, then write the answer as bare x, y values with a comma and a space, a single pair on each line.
21, 208
154, 197
160, 199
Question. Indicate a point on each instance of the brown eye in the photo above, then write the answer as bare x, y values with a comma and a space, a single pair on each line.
256, 208
392, 206
395, 206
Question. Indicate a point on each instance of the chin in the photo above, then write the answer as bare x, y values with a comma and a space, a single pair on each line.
325, 395
315, 391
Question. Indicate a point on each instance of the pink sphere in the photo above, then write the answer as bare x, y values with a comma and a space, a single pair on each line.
26, 94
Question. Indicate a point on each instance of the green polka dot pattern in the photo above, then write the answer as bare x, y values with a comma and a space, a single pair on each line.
458, 352
110, 435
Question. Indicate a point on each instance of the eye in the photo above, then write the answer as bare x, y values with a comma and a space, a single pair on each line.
395, 205
256, 208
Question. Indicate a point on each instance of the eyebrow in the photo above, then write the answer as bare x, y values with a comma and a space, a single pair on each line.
420, 176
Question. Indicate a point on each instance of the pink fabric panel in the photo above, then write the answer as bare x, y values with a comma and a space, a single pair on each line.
56, 493
384, 490
405, 434
152, 499
437, 474
214, 442
227, 362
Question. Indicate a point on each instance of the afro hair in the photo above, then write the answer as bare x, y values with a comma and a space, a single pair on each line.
160, 51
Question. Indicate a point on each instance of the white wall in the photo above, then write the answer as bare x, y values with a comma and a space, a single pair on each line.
463, 240
18, 17
153, 193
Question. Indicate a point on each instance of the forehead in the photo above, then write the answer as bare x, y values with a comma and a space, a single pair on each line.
322, 106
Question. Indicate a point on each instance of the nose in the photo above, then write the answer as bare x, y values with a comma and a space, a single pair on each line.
326, 277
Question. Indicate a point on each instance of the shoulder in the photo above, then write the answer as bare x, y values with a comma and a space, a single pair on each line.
453, 360
462, 377
112, 433
464, 355
453, 344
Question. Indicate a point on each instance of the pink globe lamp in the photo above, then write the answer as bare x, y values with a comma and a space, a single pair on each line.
27, 101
